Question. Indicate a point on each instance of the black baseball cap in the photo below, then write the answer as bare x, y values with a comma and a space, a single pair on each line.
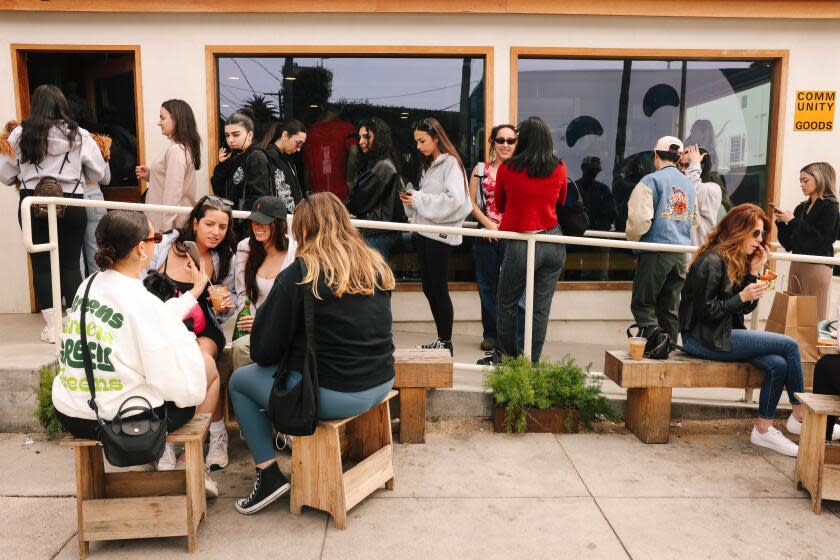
267, 209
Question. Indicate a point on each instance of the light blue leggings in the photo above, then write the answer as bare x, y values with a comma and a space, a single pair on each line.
250, 387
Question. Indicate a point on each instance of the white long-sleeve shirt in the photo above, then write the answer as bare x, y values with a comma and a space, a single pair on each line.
709, 199
138, 344
443, 199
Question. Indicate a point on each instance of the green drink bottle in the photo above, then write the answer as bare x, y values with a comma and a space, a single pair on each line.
246, 312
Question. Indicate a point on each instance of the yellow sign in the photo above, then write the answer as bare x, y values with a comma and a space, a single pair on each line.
815, 111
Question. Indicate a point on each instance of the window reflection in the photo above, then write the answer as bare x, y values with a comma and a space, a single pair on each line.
612, 111
331, 95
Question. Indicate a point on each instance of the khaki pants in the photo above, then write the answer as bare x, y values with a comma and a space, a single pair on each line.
241, 352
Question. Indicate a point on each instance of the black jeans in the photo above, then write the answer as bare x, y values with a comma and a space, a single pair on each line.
71, 237
827, 382
434, 272
88, 429
549, 259
657, 284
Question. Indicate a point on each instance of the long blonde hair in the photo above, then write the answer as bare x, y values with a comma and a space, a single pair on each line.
825, 178
727, 239
328, 243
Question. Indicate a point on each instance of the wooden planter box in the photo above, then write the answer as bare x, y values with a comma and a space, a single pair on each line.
549, 420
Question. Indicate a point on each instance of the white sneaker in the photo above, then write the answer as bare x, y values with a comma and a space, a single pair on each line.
795, 427
775, 440
47, 335
210, 487
168, 460
217, 451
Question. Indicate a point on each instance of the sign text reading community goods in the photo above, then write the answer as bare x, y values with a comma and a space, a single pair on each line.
815, 110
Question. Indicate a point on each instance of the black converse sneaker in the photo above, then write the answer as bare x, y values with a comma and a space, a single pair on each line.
438, 344
270, 485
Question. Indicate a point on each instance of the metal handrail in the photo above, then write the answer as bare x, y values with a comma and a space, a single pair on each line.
591, 239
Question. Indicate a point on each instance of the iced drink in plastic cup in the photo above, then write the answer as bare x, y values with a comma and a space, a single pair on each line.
218, 292
637, 347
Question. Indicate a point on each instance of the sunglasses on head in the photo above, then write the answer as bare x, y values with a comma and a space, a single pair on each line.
424, 126
759, 233
157, 238
218, 200
508, 141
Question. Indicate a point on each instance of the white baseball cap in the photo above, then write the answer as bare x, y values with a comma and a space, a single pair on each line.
668, 144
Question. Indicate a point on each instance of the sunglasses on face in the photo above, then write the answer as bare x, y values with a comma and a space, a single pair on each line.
759, 233
508, 141
157, 238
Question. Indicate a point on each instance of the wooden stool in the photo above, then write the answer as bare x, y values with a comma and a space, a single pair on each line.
138, 505
818, 465
416, 371
318, 478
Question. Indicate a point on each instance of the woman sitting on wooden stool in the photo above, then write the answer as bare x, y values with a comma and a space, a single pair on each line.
351, 284
721, 287
827, 382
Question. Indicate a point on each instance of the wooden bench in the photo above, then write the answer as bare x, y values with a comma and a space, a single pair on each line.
137, 505
649, 384
416, 371
818, 465
318, 477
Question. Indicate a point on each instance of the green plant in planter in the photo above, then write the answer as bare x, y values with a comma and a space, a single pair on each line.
45, 411
519, 385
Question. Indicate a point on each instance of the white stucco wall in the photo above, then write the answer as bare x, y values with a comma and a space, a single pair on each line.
173, 65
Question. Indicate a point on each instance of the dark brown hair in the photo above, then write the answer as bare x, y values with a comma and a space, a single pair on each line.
433, 128
118, 232
48, 108
290, 127
225, 249
257, 254
186, 132
492, 138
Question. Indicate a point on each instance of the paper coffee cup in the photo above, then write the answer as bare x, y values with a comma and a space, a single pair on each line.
637, 347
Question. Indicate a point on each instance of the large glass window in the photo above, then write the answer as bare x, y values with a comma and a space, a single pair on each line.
334, 94
606, 115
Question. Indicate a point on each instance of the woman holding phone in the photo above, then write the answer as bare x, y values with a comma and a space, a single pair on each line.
208, 228
811, 229
171, 175
720, 288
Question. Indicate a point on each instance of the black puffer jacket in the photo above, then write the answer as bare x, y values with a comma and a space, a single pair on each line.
376, 195
242, 178
710, 306
284, 179
814, 232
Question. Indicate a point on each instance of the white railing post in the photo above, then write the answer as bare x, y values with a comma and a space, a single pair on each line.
529, 296
55, 276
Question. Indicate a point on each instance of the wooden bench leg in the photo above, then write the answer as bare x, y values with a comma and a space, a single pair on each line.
413, 415
317, 475
196, 498
90, 485
649, 413
811, 458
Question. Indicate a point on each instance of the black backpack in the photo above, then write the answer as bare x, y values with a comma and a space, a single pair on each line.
659, 343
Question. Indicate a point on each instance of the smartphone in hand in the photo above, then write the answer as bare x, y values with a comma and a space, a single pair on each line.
192, 251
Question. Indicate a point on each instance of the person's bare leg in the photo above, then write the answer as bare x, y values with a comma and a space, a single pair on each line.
763, 424
212, 401
798, 413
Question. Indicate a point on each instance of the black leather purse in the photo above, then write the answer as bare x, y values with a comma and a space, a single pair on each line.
126, 440
295, 412
573, 220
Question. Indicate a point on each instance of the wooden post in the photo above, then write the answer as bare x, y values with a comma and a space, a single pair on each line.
811, 457
90, 485
413, 415
649, 413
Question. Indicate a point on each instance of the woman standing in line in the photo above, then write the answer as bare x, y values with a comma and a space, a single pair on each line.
208, 226
376, 194
443, 200
720, 288
171, 176
281, 142
49, 145
529, 187
242, 175
709, 199
812, 230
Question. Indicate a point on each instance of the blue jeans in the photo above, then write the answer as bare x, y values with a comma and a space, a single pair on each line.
488, 261
250, 386
90, 247
776, 354
382, 241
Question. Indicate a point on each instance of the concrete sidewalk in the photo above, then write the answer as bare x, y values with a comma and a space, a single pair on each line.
707, 494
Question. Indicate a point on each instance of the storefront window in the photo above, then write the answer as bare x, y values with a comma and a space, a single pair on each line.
333, 94
605, 116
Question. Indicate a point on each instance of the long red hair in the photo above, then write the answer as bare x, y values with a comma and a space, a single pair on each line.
727, 239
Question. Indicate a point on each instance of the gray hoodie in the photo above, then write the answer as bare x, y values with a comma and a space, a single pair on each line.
84, 161
442, 199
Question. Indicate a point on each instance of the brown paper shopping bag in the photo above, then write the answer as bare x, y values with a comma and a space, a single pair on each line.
796, 317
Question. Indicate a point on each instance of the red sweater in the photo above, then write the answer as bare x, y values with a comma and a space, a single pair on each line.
528, 203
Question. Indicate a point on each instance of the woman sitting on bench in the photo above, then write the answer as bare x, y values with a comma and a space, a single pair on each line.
354, 348
721, 287
142, 347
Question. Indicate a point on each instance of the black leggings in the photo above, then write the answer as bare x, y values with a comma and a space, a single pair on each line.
88, 429
827, 382
71, 237
434, 271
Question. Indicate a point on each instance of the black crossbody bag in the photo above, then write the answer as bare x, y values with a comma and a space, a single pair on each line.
573, 220
127, 441
295, 412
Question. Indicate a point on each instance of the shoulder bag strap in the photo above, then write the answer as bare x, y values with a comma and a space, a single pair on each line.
310, 362
86, 351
